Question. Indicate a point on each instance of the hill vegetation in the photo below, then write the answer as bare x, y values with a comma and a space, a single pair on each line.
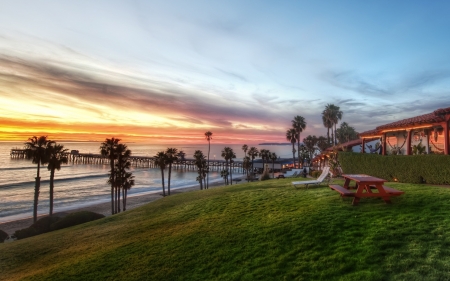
253, 231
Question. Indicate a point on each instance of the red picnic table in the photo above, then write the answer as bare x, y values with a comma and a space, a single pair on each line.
365, 185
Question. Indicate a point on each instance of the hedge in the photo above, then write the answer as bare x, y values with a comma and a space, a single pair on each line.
430, 169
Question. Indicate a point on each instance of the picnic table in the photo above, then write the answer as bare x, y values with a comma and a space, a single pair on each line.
365, 185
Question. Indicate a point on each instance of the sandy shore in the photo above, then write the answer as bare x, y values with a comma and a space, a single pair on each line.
104, 208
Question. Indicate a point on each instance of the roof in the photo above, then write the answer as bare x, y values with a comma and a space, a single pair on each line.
430, 119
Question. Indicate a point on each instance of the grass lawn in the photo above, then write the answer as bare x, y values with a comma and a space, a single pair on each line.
257, 231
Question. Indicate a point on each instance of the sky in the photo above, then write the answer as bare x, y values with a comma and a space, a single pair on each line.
168, 71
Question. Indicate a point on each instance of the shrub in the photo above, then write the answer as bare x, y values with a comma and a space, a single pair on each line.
431, 168
315, 174
3, 236
40, 226
75, 219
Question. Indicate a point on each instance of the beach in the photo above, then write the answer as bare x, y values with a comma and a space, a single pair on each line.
104, 208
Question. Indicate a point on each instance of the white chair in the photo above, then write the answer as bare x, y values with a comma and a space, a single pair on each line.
319, 180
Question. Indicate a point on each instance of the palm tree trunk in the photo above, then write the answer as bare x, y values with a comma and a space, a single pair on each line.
293, 153
231, 172
298, 150
52, 177
36, 192
111, 160
273, 168
124, 192
207, 174
162, 177
168, 180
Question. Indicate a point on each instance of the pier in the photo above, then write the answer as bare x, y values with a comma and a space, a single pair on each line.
137, 161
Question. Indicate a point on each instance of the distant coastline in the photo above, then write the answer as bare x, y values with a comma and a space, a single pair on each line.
275, 143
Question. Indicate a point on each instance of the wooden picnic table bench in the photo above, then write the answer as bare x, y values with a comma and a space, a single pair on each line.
342, 190
391, 191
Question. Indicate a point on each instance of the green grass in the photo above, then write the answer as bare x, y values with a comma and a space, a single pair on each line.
258, 231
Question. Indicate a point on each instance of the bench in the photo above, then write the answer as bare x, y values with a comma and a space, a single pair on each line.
391, 191
343, 191
280, 177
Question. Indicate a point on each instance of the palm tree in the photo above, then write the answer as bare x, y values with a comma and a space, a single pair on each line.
123, 180
120, 173
57, 156
310, 144
346, 133
299, 124
291, 135
273, 156
327, 120
231, 156
264, 154
336, 114
322, 143
200, 162
36, 150
161, 161
226, 155
208, 137
171, 157
247, 165
245, 148
252, 153
108, 149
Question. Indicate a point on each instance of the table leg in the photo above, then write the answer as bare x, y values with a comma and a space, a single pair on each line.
383, 193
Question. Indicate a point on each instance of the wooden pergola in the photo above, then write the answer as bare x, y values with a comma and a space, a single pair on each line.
429, 130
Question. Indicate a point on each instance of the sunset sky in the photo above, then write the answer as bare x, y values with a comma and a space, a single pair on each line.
168, 71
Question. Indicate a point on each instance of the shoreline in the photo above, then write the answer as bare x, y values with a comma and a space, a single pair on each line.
104, 208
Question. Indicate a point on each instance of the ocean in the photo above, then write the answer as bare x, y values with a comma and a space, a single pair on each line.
79, 185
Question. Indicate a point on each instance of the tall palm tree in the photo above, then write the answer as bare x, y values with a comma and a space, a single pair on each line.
264, 154
128, 182
226, 155
247, 165
231, 156
36, 150
299, 124
108, 149
161, 161
200, 162
327, 120
273, 156
252, 153
208, 137
291, 135
120, 173
171, 158
245, 148
336, 114
57, 156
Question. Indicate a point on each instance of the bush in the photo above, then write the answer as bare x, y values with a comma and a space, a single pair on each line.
3, 236
40, 226
430, 169
48, 224
75, 219
315, 174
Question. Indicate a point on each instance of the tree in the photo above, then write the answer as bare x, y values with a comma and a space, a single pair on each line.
310, 143
333, 115
299, 124
228, 154
161, 161
291, 135
171, 157
208, 137
346, 133
245, 148
322, 143
57, 156
273, 157
252, 153
247, 165
264, 154
123, 179
108, 149
327, 121
36, 150
200, 162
